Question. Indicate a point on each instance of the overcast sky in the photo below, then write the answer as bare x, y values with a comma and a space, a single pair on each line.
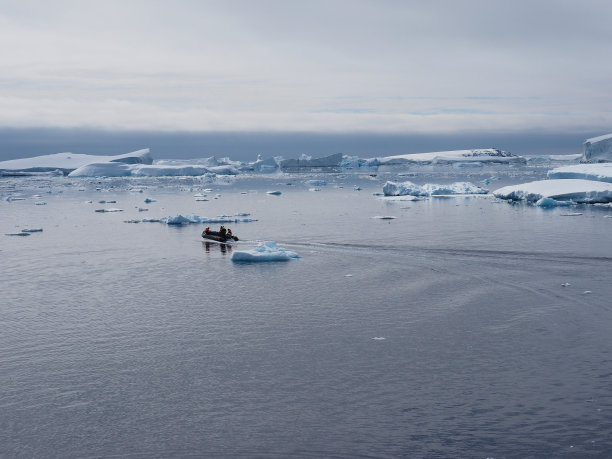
422, 67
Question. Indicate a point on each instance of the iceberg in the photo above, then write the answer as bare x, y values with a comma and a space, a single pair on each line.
598, 149
327, 162
266, 251
155, 170
264, 165
68, 162
550, 202
430, 189
485, 155
601, 172
581, 191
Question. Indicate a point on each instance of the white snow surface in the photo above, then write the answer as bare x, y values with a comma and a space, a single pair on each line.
266, 251
581, 191
72, 161
430, 189
109, 169
601, 172
485, 155
598, 149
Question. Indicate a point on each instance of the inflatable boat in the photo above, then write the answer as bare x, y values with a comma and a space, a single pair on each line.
218, 237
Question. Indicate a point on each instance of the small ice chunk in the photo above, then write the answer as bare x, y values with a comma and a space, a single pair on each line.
385, 217
565, 284
17, 234
587, 292
40, 203
112, 209
266, 251
142, 209
571, 214
274, 193
31, 230
348, 275
378, 338
147, 200
550, 202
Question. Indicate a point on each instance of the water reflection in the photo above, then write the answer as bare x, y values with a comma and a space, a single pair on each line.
224, 248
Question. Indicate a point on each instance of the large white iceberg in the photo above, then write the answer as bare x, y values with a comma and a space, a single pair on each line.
67, 162
598, 149
266, 251
581, 191
155, 170
601, 172
485, 155
430, 189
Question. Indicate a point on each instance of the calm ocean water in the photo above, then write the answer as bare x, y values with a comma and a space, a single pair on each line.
444, 332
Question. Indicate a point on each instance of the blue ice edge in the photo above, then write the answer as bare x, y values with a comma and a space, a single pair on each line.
264, 252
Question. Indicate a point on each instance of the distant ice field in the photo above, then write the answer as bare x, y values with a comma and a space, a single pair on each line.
460, 326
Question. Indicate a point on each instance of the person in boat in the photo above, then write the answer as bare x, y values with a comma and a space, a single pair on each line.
222, 231
207, 230
229, 233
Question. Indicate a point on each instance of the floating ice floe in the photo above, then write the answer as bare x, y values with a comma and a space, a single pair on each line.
601, 172
431, 189
550, 202
385, 217
112, 209
266, 251
149, 200
40, 203
400, 198
315, 183
274, 193
581, 191
189, 219
31, 230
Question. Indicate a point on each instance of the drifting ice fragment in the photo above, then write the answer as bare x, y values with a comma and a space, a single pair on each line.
31, 230
378, 338
550, 202
112, 209
565, 284
385, 217
147, 200
266, 251
274, 193
17, 234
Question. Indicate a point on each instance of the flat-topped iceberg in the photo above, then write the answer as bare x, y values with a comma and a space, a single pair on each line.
430, 189
601, 172
155, 170
580, 191
598, 149
67, 162
266, 251
484, 155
